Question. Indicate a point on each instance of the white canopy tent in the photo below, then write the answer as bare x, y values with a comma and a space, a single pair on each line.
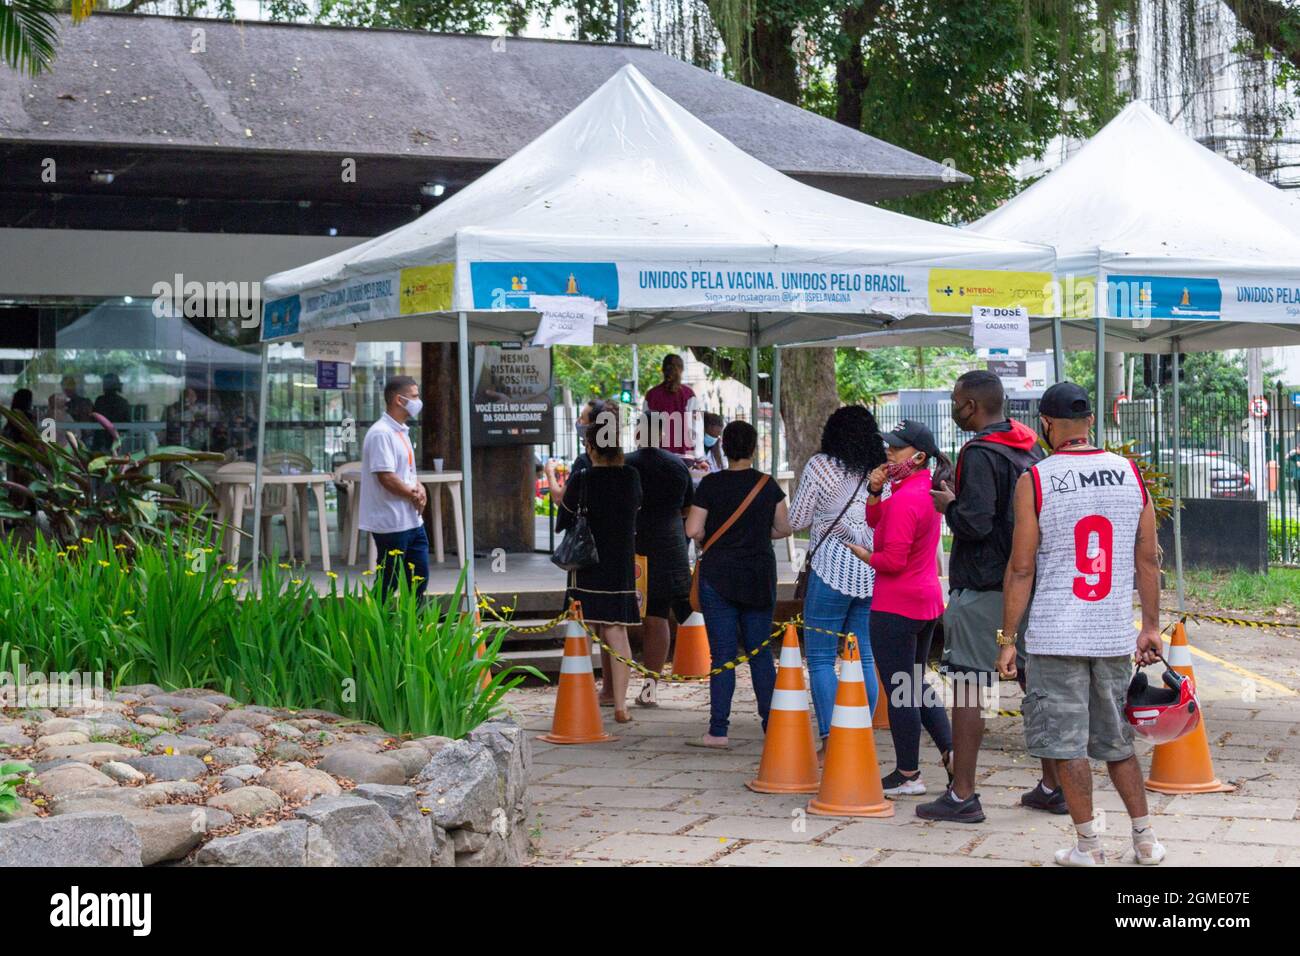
685, 238
1162, 246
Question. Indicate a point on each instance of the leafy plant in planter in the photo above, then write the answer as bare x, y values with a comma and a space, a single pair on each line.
72, 491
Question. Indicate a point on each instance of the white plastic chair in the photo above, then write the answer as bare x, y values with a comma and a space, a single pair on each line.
276, 499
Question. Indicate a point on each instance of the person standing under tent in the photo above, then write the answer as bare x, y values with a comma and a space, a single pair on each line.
907, 601
610, 494
667, 492
713, 459
392, 498
735, 516
670, 409
979, 510
1085, 535
557, 479
831, 500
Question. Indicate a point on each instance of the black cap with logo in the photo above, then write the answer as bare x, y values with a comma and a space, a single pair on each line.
915, 434
1065, 400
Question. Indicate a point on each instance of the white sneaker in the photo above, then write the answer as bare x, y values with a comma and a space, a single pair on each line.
896, 785
1149, 852
1073, 856
649, 696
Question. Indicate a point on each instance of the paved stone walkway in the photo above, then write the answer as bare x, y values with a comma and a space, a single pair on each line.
648, 799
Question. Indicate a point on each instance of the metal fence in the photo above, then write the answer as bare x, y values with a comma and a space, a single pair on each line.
1229, 447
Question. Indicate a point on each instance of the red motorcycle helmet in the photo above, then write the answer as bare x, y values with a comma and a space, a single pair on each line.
1162, 714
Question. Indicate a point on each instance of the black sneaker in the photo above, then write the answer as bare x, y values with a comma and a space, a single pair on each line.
1040, 798
951, 810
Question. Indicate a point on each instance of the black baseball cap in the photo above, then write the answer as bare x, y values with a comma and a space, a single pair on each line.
915, 434
1065, 400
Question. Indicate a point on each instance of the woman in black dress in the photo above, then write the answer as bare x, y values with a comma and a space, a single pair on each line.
611, 493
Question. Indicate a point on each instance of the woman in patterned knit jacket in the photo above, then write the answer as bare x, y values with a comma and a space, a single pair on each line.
839, 584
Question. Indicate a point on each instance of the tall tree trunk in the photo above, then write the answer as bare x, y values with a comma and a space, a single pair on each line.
808, 396
770, 66
851, 77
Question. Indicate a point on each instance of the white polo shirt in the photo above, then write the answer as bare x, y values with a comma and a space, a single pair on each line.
387, 448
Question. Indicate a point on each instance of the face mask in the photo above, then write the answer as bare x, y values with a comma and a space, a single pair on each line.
710, 441
412, 406
1045, 430
959, 421
899, 470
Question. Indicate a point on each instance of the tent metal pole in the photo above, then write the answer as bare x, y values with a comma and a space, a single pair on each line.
1058, 349
1176, 441
776, 410
1100, 386
262, 388
753, 374
636, 374
466, 464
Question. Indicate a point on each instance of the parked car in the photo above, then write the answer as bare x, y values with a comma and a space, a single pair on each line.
1210, 474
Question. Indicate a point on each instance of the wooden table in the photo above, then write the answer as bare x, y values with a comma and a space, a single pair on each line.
237, 495
432, 481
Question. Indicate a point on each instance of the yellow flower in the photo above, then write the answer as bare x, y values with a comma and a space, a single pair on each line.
297, 581
168, 751
330, 574
416, 577
87, 541
366, 574
119, 547
283, 565
74, 547
102, 563
128, 612
231, 567
63, 554
189, 574
395, 552
207, 550
231, 581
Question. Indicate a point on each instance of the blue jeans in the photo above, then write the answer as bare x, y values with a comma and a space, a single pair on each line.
729, 625
828, 609
412, 559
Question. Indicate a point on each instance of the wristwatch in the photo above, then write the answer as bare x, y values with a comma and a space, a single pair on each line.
1004, 640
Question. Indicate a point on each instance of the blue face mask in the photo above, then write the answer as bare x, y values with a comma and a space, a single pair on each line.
710, 441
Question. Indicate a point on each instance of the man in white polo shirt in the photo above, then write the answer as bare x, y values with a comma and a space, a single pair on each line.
392, 498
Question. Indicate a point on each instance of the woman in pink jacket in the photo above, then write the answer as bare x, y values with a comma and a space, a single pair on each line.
908, 601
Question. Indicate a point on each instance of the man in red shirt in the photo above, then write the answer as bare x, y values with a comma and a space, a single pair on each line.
670, 407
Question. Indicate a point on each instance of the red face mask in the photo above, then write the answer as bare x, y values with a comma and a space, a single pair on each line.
900, 470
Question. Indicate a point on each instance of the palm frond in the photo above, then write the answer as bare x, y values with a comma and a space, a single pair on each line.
28, 34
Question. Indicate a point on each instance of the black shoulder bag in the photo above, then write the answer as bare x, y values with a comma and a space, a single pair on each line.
577, 549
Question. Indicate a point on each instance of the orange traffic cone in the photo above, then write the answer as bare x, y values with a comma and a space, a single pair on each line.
577, 712
1184, 765
880, 717
789, 763
692, 658
851, 779
486, 677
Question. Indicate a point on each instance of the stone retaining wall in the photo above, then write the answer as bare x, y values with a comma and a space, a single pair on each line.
191, 778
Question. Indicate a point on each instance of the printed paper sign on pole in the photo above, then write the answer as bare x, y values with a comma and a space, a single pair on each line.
567, 319
334, 345
1000, 328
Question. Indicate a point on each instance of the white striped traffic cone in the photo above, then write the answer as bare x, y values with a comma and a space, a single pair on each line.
789, 763
577, 710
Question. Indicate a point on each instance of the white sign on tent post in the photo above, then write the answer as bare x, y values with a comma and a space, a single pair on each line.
567, 319
1000, 328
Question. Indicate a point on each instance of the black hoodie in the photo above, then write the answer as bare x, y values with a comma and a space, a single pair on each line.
982, 517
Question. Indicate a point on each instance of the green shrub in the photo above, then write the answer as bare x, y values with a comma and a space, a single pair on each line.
175, 616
